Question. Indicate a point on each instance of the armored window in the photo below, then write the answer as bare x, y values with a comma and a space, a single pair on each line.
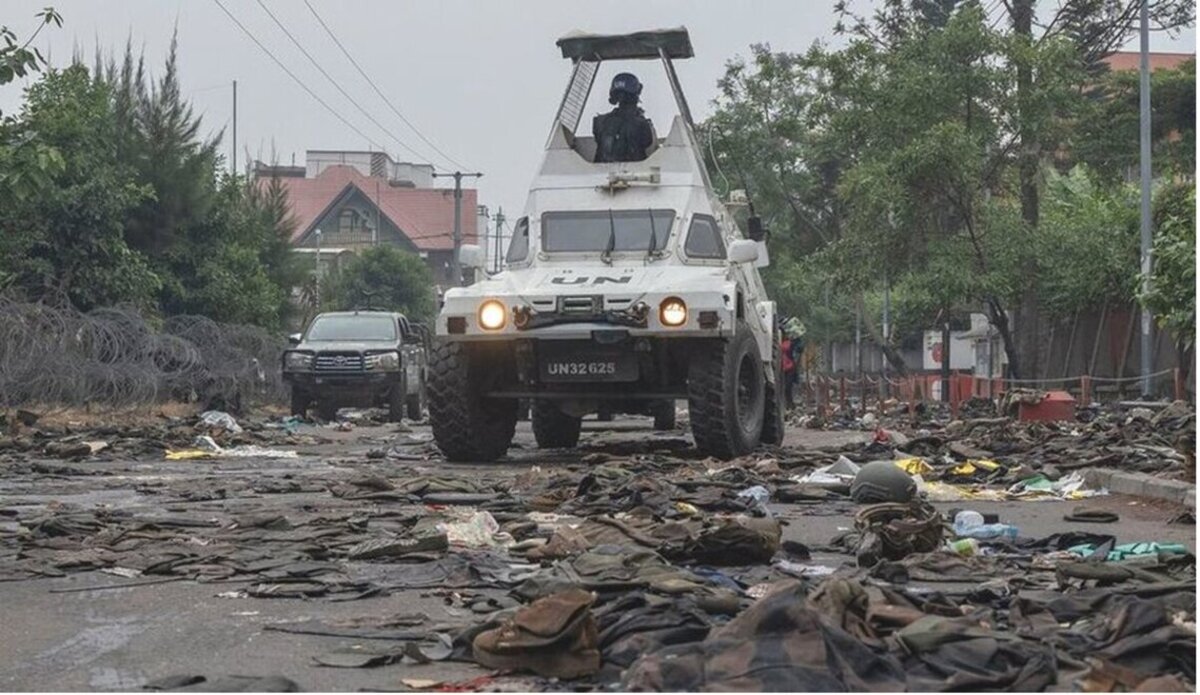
518, 248
704, 239
607, 230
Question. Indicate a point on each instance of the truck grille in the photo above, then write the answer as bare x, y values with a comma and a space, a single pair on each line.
338, 362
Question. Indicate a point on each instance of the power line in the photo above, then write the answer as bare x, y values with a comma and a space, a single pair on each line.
333, 81
297, 80
378, 91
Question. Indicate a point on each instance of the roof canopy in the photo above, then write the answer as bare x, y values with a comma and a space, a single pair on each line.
639, 45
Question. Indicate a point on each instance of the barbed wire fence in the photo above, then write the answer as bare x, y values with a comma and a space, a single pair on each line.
56, 356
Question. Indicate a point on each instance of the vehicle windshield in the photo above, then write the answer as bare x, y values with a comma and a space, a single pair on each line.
352, 328
604, 230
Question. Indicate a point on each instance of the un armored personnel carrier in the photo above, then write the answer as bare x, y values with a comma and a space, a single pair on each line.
627, 285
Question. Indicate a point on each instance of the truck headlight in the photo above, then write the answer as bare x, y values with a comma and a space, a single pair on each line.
672, 312
297, 361
492, 315
384, 361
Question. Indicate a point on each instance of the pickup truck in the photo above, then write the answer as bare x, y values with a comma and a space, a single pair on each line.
358, 359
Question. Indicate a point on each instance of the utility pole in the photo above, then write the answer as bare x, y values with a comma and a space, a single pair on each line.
235, 126
317, 276
499, 237
887, 315
946, 356
455, 267
1147, 233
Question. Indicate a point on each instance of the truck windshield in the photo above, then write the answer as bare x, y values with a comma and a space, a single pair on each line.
605, 230
352, 328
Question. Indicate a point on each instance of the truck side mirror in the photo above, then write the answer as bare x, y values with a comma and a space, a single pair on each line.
294, 339
743, 251
754, 229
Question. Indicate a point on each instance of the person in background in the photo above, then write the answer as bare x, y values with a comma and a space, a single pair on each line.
792, 347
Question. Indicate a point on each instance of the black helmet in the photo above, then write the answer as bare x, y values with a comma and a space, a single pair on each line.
625, 83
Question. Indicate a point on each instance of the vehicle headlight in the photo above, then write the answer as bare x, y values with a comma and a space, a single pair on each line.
297, 360
385, 361
492, 315
672, 312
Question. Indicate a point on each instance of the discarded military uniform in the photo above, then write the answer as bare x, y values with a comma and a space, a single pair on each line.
554, 637
895, 531
778, 644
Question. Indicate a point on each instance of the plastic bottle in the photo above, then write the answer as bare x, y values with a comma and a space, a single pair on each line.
964, 546
969, 524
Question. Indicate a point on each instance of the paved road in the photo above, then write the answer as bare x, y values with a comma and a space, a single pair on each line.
120, 638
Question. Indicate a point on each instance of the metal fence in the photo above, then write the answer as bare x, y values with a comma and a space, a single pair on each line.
117, 357
823, 391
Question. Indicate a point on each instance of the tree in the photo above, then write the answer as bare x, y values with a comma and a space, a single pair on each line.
69, 239
26, 165
1107, 137
386, 278
1172, 296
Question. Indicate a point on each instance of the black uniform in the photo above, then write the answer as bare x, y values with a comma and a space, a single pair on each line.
622, 135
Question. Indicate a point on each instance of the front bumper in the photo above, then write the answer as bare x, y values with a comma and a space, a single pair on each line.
710, 315
365, 384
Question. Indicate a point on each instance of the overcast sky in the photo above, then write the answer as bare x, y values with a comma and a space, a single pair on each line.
479, 78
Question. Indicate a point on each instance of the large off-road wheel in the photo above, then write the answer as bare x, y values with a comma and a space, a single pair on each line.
552, 428
396, 400
772, 431
300, 401
726, 392
467, 426
664, 415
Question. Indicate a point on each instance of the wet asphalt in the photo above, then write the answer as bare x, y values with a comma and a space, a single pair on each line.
56, 638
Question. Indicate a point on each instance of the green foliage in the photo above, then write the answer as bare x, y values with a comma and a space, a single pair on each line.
1172, 295
68, 240
109, 194
385, 278
1108, 132
18, 59
26, 165
1088, 243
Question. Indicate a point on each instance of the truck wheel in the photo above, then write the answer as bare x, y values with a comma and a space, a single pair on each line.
664, 416
726, 395
300, 401
396, 400
327, 410
552, 428
772, 432
466, 426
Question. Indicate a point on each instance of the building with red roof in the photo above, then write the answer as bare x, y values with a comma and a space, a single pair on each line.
361, 199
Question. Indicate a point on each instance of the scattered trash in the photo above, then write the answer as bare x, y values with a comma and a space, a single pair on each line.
969, 524
475, 530
216, 419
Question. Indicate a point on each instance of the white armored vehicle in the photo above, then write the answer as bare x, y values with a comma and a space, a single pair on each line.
628, 285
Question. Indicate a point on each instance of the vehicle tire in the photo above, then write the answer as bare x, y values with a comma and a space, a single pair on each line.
664, 416
300, 401
466, 426
397, 398
773, 427
552, 428
726, 395
327, 410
